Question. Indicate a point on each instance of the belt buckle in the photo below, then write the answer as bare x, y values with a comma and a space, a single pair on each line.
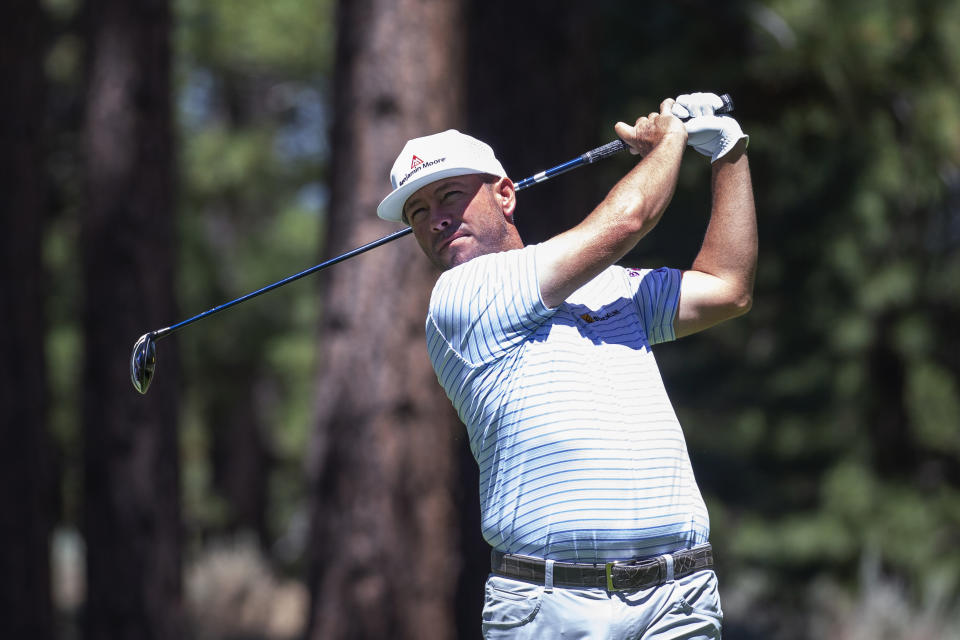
608, 569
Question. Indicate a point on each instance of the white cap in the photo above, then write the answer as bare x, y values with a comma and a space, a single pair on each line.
431, 158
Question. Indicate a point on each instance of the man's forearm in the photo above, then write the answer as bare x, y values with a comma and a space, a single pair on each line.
644, 193
571, 259
729, 248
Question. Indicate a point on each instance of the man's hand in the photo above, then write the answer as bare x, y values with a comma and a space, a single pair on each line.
649, 130
711, 135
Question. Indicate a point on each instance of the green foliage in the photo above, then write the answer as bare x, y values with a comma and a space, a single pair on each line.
933, 404
286, 36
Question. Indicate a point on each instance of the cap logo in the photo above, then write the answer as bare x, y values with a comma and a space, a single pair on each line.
417, 165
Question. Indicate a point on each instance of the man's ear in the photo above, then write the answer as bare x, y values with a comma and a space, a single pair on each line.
506, 194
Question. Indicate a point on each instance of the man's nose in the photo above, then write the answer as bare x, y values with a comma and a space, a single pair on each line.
441, 219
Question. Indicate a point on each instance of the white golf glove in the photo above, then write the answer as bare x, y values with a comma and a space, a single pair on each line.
713, 136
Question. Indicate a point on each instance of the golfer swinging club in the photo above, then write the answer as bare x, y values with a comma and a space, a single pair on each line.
587, 494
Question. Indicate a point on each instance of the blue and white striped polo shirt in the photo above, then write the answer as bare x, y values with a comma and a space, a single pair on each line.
580, 452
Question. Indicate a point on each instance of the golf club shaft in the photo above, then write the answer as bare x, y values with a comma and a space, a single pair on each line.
589, 157
160, 333
594, 155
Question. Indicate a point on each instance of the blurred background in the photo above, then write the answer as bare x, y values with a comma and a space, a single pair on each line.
295, 470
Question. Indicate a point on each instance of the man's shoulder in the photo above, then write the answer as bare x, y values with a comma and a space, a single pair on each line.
609, 282
481, 270
500, 285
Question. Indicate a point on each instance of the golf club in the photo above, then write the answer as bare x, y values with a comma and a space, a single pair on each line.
143, 360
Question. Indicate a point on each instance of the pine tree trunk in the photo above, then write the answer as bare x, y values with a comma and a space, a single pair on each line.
383, 463
27, 507
131, 485
533, 95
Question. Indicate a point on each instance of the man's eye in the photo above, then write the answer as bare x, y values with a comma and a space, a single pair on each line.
450, 194
413, 214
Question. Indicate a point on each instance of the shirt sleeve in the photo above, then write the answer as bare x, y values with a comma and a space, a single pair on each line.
657, 295
485, 307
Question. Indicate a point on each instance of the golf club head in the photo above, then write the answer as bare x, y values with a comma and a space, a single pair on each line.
143, 361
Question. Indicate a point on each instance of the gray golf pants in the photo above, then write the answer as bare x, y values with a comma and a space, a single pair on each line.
684, 609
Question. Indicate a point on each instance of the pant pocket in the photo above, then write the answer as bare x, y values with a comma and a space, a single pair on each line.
698, 594
510, 603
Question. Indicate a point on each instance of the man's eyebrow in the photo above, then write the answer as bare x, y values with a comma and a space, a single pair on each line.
443, 184
413, 200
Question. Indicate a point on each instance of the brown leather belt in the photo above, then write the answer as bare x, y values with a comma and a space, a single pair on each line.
612, 576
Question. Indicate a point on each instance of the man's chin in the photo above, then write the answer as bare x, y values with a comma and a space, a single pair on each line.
455, 254
455, 259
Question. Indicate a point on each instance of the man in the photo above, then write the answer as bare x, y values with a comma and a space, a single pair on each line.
588, 498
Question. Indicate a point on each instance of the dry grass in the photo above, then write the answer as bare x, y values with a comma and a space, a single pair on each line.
232, 593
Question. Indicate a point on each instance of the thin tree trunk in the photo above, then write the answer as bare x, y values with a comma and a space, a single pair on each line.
534, 96
27, 506
131, 514
240, 458
385, 530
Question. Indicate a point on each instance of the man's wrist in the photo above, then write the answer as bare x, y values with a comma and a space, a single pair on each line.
679, 134
739, 150
673, 139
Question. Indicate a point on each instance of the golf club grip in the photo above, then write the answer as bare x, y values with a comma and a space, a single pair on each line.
604, 151
617, 146
727, 104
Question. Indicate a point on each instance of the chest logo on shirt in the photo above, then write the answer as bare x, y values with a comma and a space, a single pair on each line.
589, 319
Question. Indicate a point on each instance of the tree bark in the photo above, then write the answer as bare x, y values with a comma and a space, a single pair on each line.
382, 463
25, 490
131, 514
533, 95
